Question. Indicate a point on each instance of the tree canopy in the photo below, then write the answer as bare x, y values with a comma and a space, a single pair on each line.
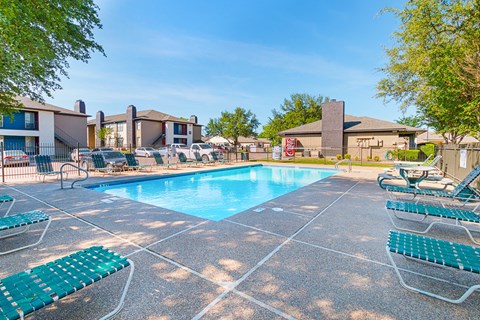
232, 125
37, 40
412, 121
213, 128
103, 134
300, 109
434, 65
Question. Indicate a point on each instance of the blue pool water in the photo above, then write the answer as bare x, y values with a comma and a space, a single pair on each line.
216, 195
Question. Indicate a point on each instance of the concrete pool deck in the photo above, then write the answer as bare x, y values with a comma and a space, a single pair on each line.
315, 253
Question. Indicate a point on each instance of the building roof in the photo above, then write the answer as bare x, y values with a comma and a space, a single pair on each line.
433, 137
152, 115
34, 105
353, 124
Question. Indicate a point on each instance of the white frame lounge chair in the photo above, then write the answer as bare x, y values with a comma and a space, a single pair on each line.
435, 252
442, 215
23, 220
45, 284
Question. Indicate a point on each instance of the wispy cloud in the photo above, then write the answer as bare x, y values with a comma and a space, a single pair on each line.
190, 48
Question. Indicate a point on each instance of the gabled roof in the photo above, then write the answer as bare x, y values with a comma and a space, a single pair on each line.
34, 105
353, 124
152, 115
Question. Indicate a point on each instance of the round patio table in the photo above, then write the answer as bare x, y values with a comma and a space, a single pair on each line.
415, 174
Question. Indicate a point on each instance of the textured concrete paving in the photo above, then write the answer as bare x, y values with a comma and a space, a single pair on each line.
315, 253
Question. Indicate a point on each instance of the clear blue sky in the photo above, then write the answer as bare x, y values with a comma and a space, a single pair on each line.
204, 57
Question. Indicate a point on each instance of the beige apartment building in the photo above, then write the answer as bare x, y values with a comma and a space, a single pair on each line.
147, 128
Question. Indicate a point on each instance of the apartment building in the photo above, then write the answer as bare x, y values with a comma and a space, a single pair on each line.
146, 128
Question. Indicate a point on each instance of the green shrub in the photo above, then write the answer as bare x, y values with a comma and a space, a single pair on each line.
428, 149
369, 158
376, 158
409, 155
347, 156
357, 158
339, 156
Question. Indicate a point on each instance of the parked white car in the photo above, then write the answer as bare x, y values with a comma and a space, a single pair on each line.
145, 152
204, 149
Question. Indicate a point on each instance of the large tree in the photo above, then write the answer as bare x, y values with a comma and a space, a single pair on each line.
434, 65
37, 40
233, 125
300, 109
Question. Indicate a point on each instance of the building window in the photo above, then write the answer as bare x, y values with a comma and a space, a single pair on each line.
138, 125
179, 128
30, 122
139, 142
180, 140
1, 121
120, 126
30, 145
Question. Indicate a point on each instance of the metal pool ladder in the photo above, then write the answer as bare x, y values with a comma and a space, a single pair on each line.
349, 164
74, 181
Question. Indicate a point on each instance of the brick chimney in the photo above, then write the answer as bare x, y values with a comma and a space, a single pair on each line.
194, 119
79, 106
333, 116
131, 115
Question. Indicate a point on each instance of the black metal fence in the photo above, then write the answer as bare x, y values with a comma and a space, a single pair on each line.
18, 161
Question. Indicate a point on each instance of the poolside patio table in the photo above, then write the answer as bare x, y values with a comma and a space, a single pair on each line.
413, 175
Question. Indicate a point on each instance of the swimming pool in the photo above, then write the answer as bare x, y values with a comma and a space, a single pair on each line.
218, 194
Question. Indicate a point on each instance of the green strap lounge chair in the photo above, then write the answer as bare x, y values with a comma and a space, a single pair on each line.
442, 215
99, 164
28, 291
436, 252
132, 163
22, 221
183, 160
202, 160
462, 192
45, 167
4, 199
157, 157
216, 159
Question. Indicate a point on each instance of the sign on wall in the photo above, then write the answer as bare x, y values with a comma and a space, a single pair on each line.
290, 144
463, 158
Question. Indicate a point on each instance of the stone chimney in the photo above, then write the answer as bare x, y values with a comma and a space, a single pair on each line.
333, 116
79, 106
131, 115
194, 119
99, 119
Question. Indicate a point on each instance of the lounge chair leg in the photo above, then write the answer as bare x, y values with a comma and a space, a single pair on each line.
427, 293
16, 233
124, 293
410, 219
10, 207
30, 245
